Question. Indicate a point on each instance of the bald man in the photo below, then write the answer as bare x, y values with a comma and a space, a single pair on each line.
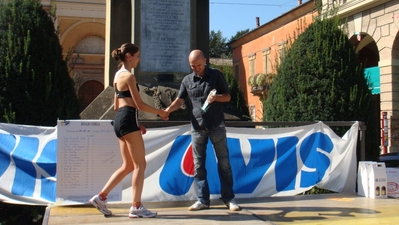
207, 123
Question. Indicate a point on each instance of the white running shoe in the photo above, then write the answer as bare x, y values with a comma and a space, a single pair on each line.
232, 205
198, 206
141, 212
100, 205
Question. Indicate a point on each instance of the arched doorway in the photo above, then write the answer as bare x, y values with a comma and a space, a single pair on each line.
368, 55
88, 68
88, 92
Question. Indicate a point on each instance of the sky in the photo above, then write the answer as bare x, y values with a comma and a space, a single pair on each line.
231, 16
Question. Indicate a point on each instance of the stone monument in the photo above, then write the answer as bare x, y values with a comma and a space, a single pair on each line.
166, 31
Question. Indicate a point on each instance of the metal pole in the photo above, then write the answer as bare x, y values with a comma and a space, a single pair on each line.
385, 132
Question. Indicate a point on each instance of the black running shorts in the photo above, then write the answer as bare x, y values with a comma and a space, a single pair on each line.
126, 121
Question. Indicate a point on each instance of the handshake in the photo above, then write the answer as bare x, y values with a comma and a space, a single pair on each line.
164, 114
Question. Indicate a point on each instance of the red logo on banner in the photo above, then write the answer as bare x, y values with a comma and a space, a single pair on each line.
188, 162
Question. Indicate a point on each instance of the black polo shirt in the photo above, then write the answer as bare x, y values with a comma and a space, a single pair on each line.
197, 89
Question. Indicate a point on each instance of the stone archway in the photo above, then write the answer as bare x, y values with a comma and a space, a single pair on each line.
368, 55
366, 48
395, 55
88, 67
393, 116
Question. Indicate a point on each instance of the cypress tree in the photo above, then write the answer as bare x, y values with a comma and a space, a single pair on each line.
321, 79
35, 86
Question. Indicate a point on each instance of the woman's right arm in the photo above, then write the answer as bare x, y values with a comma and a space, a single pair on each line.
139, 102
116, 102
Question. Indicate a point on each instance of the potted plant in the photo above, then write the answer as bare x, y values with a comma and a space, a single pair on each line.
261, 80
252, 80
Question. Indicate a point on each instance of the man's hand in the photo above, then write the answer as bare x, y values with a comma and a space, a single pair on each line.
211, 98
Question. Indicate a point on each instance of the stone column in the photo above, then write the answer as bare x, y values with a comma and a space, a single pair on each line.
200, 32
118, 31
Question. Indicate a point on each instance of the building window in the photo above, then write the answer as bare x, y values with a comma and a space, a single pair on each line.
91, 45
266, 60
251, 59
282, 48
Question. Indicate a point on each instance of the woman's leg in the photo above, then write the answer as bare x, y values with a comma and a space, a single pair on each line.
126, 167
135, 145
99, 201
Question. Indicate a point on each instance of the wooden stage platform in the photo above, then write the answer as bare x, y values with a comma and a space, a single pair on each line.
343, 209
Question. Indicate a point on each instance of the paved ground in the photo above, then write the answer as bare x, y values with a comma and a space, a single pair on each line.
344, 209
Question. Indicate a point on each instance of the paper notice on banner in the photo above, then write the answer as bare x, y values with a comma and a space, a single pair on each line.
87, 155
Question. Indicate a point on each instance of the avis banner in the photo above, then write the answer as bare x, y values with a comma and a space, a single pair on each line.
71, 162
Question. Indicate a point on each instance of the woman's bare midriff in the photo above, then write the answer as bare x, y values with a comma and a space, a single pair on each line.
126, 102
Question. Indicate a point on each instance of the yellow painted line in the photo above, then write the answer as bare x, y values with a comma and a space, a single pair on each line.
342, 199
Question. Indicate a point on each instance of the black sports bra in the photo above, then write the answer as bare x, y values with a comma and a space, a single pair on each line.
122, 94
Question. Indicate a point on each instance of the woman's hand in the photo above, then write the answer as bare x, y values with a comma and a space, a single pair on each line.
164, 114
142, 129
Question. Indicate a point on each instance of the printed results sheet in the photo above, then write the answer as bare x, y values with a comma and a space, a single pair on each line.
87, 155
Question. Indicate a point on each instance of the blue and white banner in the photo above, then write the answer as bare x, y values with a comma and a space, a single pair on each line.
27, 164
265, 162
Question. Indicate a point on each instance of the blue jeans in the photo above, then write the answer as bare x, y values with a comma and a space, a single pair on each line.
199, 142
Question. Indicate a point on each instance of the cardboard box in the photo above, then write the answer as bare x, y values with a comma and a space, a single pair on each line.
393, 182
363, 178
377, 180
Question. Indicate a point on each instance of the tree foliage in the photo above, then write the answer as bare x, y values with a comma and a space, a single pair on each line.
35, 86
321, 79
217, 45
238, 105
238, 35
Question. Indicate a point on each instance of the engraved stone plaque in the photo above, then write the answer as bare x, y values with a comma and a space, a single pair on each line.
165, 36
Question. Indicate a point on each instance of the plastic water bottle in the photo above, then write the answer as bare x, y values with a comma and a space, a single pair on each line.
205, 106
